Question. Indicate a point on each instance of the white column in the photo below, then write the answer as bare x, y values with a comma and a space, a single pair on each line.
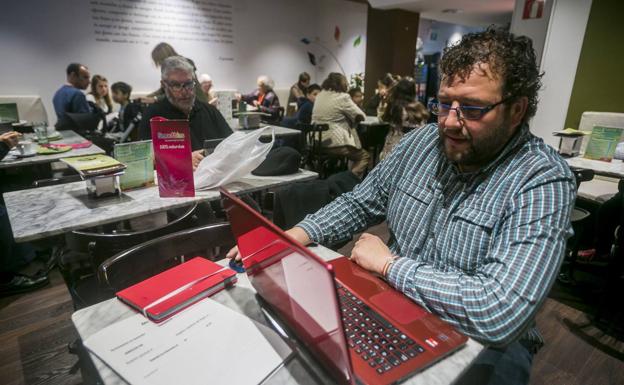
562, 49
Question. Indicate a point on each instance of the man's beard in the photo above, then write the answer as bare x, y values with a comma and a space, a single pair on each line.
183, 105
481, 151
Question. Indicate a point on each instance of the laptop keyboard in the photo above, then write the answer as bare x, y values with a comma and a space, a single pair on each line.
372, 337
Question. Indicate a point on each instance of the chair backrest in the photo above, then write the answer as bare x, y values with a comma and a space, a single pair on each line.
57, 181
373, 135
29, 107
589, 119
102, 245
582, 175
154, 256
313, 136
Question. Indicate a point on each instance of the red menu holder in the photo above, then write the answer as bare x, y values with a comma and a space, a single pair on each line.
172, 154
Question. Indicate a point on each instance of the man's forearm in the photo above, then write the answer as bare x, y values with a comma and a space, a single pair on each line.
298, 234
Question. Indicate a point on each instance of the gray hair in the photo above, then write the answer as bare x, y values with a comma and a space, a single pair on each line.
204, 78
174, 63
267, 81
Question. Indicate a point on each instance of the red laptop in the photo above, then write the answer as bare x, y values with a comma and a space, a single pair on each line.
357, 326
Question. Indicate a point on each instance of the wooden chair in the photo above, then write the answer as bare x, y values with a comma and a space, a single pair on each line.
314, 157
87, 249
152, 257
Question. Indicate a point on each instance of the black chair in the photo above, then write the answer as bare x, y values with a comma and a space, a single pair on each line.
146, 260
373, 138
580, 219
57, 180
275, 117
152, 257
314, 156
87, 249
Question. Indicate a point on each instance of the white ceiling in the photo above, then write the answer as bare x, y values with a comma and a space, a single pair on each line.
473, 12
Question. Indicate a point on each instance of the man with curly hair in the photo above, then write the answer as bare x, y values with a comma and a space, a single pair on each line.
477, 207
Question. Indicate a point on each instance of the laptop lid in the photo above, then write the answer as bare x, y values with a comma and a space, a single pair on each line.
296, 284
8, 113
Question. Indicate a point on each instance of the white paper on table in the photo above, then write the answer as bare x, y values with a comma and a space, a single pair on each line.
204, 344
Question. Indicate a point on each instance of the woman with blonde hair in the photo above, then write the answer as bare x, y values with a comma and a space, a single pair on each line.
100, 95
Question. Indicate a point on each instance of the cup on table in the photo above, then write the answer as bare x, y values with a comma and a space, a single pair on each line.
26, 147
41, 131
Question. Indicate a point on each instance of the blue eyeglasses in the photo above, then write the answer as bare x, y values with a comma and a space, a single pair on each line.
463, 112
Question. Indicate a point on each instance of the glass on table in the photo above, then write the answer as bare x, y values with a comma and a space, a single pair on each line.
41, 132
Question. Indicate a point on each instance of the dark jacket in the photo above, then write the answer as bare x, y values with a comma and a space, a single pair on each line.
270, 103
206, 122
303, 115
4, 149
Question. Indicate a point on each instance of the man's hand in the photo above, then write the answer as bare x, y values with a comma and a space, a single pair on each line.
256, 103
10, 138
371, 253
197, 157
296, 232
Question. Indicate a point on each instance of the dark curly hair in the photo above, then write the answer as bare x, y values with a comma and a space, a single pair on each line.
510, 58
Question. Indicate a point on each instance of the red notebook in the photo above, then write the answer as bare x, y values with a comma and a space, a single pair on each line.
163, 295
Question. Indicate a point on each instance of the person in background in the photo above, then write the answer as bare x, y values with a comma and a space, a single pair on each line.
376, 105
304, 113
264, 98
206, 122
161, 52
298, 92
129, 113
403, 112
205, 81
99, 95
8, 140
13, 254
70, 98
333, 106
357, 96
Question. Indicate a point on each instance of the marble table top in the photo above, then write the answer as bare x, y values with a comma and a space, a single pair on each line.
599, 190
69, 137
615, 168
279, 130
241, 298
46, 211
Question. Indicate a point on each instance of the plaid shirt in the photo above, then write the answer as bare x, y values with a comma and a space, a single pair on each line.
479, 249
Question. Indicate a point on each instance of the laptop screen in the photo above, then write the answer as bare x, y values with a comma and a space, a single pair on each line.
8, 113
296, 284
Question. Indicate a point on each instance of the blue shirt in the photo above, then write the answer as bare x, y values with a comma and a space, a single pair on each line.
479, 249
69, 99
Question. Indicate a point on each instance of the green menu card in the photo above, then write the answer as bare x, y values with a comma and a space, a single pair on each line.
602, 143
139, 159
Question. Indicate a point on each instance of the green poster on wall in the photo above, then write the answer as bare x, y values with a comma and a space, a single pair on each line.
602, 143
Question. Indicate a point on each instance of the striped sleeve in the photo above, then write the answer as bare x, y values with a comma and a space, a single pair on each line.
498, 301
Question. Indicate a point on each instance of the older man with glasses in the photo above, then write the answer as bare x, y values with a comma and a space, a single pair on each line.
478, 208
206, 122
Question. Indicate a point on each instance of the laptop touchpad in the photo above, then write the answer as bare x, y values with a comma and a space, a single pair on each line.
399, 306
